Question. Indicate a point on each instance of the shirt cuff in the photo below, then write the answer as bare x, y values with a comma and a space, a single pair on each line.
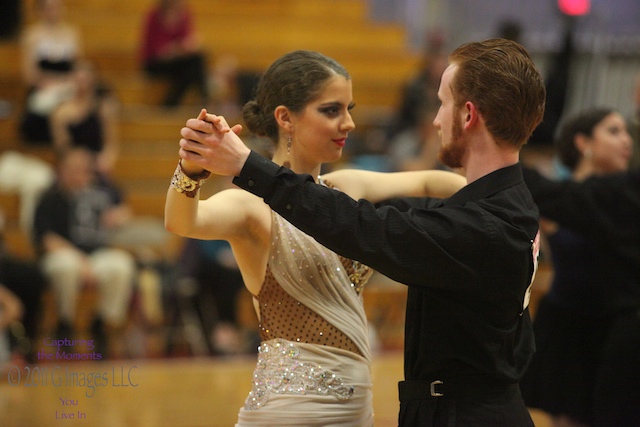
257, 175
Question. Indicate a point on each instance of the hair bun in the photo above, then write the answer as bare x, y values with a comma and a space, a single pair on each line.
253, 118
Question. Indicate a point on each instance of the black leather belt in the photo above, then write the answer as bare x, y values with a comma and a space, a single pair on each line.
455, 388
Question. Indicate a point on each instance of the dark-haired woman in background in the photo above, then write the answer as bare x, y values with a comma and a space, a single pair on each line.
591, 287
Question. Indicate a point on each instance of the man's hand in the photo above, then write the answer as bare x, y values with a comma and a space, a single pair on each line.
208, 142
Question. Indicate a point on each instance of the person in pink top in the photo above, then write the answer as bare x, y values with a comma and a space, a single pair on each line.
171, 49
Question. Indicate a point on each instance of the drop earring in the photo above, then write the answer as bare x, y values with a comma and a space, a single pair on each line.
287, 163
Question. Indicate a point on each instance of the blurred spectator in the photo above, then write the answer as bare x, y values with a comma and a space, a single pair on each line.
29, 186
10, 18
171, 49
50, 48
232, 87
606, 209
510, 30
417, 147
635, 124
23, 279
88, 119
574, 318
72, 226
557, 83
211, 266
225, 86
421, 92
10, 312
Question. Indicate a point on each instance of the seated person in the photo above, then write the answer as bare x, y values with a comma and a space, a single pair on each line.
11, 311
211, 265
72, 225
171, 49
88, 119
22, 279
50, 48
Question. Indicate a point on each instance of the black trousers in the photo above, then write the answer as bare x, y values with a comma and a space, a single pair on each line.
183, 73
617, 392
462, 403
25, 279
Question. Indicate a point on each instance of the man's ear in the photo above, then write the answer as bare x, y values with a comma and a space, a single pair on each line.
471, 114
284, 118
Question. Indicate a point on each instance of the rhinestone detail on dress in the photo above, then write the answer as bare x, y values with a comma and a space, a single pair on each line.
278, 371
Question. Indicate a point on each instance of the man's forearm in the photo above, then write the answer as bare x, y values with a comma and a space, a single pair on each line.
257, 175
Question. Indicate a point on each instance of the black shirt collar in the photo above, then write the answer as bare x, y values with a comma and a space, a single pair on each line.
487, 185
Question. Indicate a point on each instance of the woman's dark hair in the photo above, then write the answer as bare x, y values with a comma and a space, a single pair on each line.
293, 80
582, 123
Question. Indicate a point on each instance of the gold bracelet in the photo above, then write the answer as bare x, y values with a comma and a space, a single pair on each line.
185, 184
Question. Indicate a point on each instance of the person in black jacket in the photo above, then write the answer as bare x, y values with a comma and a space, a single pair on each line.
468, 260
586, 295
605, 209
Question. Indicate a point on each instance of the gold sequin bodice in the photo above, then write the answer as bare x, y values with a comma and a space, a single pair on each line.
338, 279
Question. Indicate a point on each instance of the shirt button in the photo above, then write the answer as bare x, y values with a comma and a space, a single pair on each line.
251, 183
288, 207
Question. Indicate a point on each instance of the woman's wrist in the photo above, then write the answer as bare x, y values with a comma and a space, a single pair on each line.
192, 170
188, 183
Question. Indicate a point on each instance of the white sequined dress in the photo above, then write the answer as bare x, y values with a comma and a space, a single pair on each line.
314, 362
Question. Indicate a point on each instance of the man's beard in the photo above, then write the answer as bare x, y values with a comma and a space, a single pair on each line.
451, 154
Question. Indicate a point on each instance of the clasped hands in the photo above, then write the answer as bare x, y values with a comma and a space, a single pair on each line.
208, 142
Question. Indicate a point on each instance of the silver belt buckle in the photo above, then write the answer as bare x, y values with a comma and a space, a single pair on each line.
432, 388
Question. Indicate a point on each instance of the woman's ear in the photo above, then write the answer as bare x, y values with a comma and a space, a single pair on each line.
284, 118
582, 144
